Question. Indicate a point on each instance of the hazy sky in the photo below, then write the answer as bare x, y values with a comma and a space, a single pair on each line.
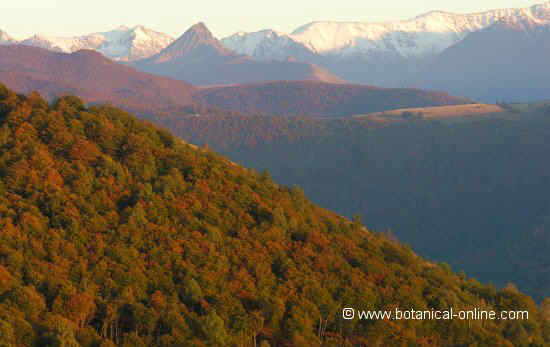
21, 18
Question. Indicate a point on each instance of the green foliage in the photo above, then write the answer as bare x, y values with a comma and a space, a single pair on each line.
114, 233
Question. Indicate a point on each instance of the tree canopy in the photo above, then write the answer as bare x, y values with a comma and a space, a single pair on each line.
114, 232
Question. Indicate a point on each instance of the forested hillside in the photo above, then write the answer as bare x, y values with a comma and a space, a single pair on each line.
318, 99
472, 193
113, 232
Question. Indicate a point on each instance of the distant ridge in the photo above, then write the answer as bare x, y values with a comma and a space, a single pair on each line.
507, 61
320, 99
122, 43
99, 80
391, 54
92, 76
198, 57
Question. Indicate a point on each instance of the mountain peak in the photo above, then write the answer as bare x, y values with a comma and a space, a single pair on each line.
419, 37
200, 27
197, 41
199, 32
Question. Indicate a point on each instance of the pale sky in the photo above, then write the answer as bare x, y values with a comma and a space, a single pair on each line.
21, 18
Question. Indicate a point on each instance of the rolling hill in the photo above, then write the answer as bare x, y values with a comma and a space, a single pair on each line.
99, 80
94, 77
318, 99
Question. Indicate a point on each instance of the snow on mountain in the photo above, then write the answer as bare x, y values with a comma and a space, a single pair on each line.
6, 39
135, 43
425, 35
64, 44
266, 45
200, 58
123, 43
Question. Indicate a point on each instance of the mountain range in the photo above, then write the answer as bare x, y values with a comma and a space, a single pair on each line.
507, 61
122, 43
198, 57
317, 99
423, 36
393, 54
421, 52
98, 79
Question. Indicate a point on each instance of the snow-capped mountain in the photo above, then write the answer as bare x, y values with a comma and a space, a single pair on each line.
123, 43
388, 54
425, 35
267, 45
200, 58
6, 39
134, 43
505, 61
64, 44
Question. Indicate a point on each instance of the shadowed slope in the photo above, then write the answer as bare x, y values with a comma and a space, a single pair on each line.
94, 77
319, 99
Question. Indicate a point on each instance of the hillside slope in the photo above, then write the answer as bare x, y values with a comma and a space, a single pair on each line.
115, 232
318, 99
93, 77
473, 193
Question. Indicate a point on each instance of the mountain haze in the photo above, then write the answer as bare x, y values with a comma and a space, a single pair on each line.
400, 53
506, 61
396, 54
122, 43
425, 35
199, 58
94, 77
98, 79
